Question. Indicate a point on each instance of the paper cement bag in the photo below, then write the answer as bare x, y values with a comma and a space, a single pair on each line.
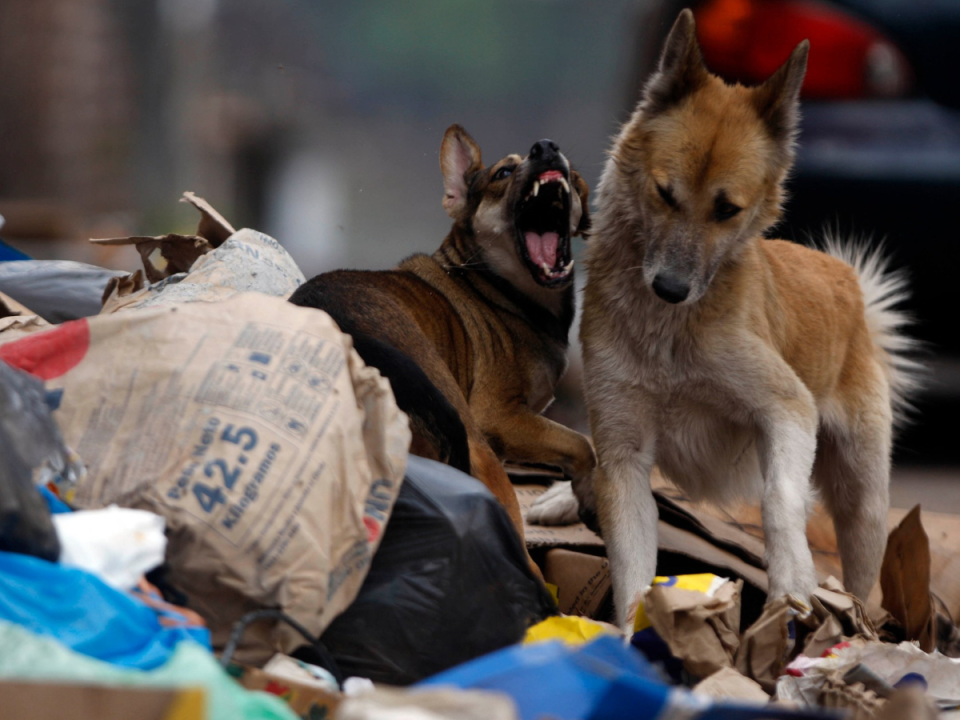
253, 427
248, 261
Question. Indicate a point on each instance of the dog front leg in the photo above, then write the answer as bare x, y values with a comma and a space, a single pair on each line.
525, 437
758, 386
787, 446
628, 518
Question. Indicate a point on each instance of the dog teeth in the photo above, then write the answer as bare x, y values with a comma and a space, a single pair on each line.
536, 187
566, 187
551, 273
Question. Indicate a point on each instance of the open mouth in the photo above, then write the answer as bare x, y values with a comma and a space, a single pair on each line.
543, 228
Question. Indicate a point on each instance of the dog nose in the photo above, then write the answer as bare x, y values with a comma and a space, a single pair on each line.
544, 149
670, 289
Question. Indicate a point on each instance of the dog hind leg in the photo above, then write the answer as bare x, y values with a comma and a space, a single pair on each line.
853, 475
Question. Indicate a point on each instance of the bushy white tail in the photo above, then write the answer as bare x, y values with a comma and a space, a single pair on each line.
884, 291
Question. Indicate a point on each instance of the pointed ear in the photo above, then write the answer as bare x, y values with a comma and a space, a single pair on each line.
583, 192
681, 70
778, 99
459, 155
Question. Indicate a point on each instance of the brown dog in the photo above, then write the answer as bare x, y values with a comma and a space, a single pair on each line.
474, 337
741, 366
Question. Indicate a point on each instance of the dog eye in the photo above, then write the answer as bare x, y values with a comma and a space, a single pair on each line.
667, 196
503, 172
725, 210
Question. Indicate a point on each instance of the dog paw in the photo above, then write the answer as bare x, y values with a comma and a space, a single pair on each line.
557, 506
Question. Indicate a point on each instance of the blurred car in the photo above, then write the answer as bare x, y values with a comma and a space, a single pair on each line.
879, 150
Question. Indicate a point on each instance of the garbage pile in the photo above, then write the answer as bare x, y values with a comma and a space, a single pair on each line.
208, 510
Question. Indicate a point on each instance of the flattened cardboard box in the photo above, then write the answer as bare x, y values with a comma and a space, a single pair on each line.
24, 700
703, 546
582, 580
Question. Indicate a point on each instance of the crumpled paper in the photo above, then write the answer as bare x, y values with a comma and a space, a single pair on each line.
788, 625
701, 630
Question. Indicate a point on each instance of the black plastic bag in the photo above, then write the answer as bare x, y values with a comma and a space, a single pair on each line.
28, 437
450, 582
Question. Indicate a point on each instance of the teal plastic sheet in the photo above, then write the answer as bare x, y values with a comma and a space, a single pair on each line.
27, 656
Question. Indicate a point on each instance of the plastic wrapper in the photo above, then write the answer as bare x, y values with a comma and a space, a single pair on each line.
57, 290
450, 582
118, 545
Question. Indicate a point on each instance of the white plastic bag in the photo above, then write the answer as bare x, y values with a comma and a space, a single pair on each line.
116, 544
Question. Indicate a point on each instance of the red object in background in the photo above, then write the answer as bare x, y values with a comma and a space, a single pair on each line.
747, 40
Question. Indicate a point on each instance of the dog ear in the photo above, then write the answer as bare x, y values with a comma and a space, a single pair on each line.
459, 156
778, 99
680, 71
583, 191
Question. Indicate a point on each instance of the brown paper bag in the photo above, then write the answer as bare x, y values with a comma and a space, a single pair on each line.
700, 630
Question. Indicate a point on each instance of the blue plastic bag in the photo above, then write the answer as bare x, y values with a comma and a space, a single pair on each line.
85, 614
602, 680
8, 253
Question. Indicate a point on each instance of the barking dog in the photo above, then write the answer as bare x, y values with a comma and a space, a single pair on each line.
474, 338
741, 366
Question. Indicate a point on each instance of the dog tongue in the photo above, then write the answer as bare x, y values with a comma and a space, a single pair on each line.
542, 248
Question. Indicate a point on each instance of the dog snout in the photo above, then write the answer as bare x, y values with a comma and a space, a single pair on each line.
669, 288
544, 150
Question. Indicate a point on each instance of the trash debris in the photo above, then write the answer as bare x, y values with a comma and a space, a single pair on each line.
29, 439
48, 701
582, 581
864, 675
689, 542
288, 667
728, 683
216, 264
697, 617
118, 545
434, 704
304, 699
167, 255
905, 581
254, 429
602, 680
43, 660
450, 582
56, 290
87, 615
570, 630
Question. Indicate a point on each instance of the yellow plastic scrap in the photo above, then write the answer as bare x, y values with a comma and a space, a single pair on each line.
707, 583
568, 629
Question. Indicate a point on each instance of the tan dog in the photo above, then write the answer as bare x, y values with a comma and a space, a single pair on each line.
741, 366
474, 337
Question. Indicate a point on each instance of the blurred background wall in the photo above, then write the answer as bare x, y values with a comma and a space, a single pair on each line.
319, 122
